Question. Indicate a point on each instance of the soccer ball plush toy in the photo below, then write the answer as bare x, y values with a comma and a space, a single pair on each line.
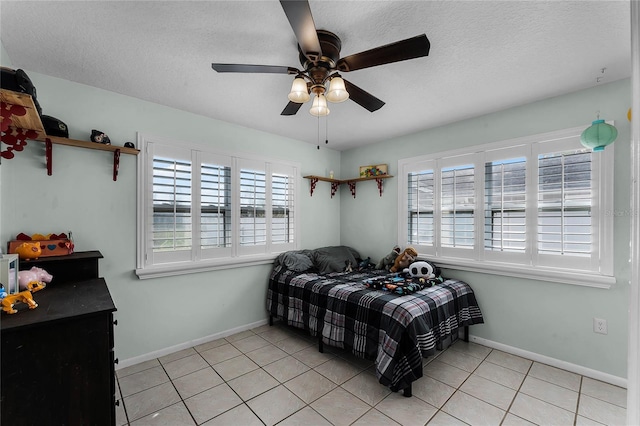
420, 269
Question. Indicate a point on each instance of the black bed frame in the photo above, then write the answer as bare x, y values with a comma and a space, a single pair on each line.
406, 391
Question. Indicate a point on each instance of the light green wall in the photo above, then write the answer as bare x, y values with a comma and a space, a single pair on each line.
547, 318
81, 196
550, 319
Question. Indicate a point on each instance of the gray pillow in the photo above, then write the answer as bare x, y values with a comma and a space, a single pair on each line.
298, 262
332, 259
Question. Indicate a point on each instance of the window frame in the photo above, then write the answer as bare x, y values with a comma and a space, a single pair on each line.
593, 273
201, 259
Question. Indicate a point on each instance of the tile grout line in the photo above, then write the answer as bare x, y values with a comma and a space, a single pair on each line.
458, 388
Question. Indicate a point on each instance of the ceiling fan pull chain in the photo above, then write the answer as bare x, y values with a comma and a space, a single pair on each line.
326, 129
318, 132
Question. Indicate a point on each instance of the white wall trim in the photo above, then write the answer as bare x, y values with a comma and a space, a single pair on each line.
574, 368
633, 345
185, 345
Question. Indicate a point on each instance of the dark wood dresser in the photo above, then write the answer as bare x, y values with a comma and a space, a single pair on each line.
57, 365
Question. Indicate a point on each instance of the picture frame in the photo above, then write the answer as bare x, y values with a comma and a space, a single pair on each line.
374, 170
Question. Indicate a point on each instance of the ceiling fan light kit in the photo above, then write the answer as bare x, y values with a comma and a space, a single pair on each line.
337, 91
299, 91
319, 54
319, 107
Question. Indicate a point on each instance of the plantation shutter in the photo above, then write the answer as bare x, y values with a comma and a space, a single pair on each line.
171, 206
457, 200
505, 205
282, 221
252, 237
564, 204
216, 218
420, 199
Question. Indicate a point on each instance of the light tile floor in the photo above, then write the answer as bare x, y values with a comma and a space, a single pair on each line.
275, 375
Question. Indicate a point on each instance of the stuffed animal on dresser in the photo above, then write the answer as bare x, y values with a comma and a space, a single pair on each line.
404, 259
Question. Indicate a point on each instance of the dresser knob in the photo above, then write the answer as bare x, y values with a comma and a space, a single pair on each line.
118, 402
115, 322
115, 361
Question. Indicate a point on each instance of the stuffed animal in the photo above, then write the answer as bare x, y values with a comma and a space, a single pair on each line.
34, 274
420, 269
404, 259
365, 264
389, 259
347, 266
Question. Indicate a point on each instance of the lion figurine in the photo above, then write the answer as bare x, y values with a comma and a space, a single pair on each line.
24, 296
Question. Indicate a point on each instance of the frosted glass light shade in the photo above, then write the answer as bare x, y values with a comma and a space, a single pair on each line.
299, 92
598, 135
319, 107
337, 91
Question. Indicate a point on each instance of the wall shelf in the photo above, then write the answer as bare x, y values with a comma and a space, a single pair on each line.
335, 183
31, 121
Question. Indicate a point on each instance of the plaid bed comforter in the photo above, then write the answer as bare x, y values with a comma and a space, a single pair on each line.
394, 331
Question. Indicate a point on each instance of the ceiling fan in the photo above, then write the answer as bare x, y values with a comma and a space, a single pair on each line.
321, 62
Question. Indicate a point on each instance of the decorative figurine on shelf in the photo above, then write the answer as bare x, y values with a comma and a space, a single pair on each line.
129, 145
35, 274
99, 137
29, 250
24, 296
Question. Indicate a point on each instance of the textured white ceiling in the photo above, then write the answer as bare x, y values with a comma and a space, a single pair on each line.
485, 56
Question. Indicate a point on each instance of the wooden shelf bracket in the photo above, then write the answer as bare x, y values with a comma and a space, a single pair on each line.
334, 188
313, 181
48, 153
379, 182
352, 187
116, 164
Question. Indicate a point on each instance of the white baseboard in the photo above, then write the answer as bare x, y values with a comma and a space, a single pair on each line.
574, 368
185, 345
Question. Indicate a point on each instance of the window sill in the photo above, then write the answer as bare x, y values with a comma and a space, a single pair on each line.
181, 268
563, 276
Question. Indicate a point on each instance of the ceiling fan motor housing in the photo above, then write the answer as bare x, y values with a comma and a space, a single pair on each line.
330, 45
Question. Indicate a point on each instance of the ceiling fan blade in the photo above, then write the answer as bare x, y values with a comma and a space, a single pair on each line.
410, 48
299, 15
363, 98
271, 69
291, 108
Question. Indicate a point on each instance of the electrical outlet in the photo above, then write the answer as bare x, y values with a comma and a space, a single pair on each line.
600, 326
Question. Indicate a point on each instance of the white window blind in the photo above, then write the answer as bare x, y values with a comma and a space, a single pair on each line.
282, 230
215, 206
458, 206
505, 205
564, 203
421, 196
534, 203
201, 210
171, 200
253, 222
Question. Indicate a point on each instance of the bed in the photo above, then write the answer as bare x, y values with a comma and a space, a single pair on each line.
309, 289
